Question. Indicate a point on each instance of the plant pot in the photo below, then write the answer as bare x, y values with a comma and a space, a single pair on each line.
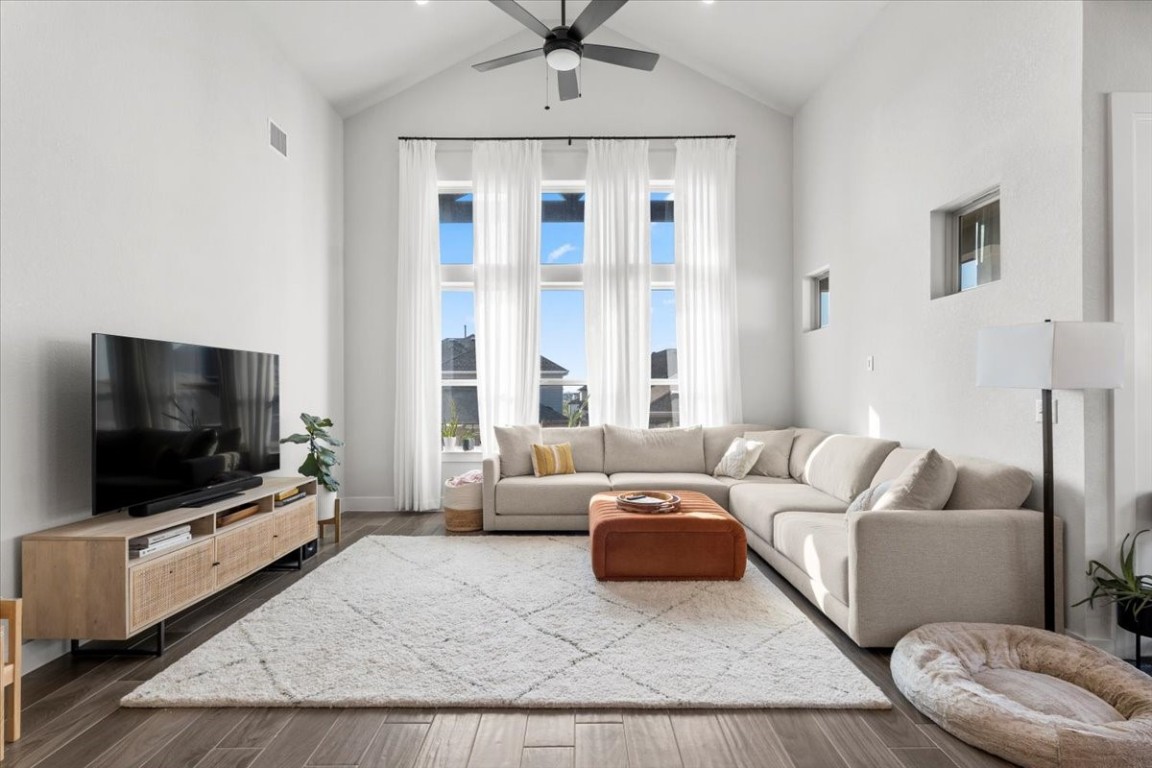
451, 443
325, 503
1127, 618
466, 443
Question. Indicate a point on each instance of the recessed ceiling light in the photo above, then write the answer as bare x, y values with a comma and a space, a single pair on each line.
421, 2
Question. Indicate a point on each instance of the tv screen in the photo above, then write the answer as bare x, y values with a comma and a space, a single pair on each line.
171, 418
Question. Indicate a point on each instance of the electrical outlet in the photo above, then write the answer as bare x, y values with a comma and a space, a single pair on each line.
870, 363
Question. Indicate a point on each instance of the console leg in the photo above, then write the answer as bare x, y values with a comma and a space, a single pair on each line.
158, 650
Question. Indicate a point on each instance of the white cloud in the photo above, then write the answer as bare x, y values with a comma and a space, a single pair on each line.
557, 253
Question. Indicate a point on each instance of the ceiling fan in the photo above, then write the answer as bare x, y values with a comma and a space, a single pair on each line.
564, 46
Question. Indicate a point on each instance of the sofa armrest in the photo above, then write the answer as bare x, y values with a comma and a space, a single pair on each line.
491, 477
909, 568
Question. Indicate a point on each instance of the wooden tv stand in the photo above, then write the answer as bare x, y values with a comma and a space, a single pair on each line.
80, 583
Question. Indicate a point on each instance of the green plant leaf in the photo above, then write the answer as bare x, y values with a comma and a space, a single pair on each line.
297, 439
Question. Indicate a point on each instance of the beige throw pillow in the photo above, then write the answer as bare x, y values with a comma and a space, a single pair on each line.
773, 460
925, 484
515, 445
739, 458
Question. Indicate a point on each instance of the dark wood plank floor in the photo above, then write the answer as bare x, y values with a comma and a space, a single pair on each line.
72, 719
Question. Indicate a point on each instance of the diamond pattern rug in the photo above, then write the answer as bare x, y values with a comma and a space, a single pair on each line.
510, 621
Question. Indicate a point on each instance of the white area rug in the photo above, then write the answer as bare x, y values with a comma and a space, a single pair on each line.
494, 621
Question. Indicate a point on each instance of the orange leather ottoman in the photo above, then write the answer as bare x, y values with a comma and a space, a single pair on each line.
699, 542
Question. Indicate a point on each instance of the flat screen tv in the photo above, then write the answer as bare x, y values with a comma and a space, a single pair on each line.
173, 420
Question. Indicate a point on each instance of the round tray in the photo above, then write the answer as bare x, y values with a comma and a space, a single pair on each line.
652, 502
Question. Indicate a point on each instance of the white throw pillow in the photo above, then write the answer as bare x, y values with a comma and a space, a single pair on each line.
777, 451
739, 458
925, 484
868, 498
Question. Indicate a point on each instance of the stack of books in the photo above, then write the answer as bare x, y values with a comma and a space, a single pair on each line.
289, 495
159, 541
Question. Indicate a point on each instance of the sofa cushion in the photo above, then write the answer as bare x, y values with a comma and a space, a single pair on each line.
755, 504
803, 444
717, 440
816, 542
587, 445
844, 465
551, 495
739, 458
983, 484
653, 450
552, 460
895, 463
515, 444
925, 484
757, 479
671, 481
773, 460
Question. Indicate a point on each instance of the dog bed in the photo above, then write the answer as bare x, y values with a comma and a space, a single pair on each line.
1037, 698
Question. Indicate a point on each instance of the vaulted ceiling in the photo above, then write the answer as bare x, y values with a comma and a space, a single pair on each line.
358, 53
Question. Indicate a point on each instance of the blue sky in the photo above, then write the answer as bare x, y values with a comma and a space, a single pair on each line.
561, 311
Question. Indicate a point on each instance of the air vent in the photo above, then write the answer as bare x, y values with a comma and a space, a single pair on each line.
279, 139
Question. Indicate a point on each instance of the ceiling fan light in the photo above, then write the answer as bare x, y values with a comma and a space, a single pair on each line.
562, 59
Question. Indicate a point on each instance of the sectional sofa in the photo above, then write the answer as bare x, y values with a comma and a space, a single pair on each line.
876, 574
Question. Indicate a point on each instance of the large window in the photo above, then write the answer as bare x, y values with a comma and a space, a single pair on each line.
563, 367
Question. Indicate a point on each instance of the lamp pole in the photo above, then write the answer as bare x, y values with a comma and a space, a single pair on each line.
1049, 515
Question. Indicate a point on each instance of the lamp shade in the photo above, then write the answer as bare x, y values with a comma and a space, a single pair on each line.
1061, 355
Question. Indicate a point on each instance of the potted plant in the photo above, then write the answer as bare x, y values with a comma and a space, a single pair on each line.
467, 437
450, 429
319, 462
1132, 593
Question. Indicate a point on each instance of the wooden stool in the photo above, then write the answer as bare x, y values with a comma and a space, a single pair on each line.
10, 672
333, 521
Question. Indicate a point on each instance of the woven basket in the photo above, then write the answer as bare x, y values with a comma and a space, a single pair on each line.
463, 507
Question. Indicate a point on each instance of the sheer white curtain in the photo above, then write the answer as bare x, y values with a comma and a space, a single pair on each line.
417, 433
617, 288
506, 219
706, 331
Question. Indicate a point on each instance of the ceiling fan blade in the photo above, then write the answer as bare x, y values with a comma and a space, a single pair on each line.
597, 12
516, 11
624, 57
504, 61
569, 85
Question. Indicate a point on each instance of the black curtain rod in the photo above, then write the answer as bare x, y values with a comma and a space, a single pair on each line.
569, 139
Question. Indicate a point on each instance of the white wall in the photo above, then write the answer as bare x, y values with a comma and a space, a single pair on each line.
510, 102
140, 197
1117, 58
939, 101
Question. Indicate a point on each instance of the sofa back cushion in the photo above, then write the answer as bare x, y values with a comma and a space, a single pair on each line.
653, 450
717, 440
587, 445
773, 460
515, 444
984, 484
844, 465
803, 444
896, 462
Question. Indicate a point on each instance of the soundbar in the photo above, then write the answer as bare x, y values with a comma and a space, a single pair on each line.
193, 498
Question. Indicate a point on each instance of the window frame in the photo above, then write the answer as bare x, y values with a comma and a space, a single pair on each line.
553, 277
812, 282
955, 266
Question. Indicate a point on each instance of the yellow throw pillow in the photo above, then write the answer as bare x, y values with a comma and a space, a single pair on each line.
552, 459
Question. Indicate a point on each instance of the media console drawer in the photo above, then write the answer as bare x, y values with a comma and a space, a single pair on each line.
79, 582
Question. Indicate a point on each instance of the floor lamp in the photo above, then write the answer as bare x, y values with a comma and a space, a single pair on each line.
1048, 356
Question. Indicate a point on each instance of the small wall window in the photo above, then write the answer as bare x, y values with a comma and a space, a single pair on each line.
966, 244
817, 298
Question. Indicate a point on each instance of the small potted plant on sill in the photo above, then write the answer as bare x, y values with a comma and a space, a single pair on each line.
450, 429
319, 462
467, 437
1131, 592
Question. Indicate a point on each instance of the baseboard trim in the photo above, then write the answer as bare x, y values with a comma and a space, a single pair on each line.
1103, 643
367, 503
